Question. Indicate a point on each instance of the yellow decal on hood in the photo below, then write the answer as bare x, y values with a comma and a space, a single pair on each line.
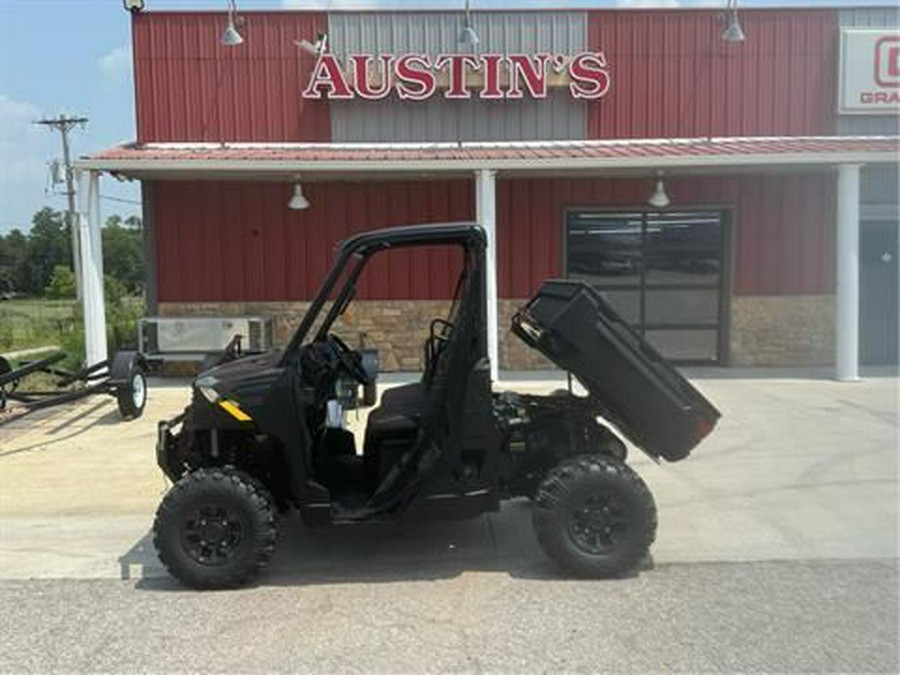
232, 408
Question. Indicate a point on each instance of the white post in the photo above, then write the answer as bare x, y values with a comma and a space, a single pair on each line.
92, 269
486, 214
847, 311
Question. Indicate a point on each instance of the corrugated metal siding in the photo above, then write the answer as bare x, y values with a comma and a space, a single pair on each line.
219, 242
432, 33
673, 76
229, 241
188, 87
783, 238
869, 17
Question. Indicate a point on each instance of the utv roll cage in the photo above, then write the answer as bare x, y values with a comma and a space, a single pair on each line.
363, 246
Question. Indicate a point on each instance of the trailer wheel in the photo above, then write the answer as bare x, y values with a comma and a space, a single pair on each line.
215, 529
594, 516
132, 394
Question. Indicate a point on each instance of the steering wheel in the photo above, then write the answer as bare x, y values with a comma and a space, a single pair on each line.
348, 359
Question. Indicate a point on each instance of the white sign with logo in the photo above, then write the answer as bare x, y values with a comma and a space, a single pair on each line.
869, 72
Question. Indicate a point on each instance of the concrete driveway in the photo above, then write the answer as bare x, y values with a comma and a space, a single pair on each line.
777, 552
800, 468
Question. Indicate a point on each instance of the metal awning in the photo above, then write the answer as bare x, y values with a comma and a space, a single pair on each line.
236, 159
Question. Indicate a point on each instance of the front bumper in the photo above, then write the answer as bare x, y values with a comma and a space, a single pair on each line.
167, 446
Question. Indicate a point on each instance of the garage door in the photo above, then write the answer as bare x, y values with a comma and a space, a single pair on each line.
663, 272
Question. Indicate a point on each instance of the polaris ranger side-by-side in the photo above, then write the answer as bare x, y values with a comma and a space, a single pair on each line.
264, 433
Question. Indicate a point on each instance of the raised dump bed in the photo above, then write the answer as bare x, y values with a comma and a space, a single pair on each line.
633, 386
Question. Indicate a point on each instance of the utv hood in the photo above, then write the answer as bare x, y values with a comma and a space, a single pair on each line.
248, 379
631, 384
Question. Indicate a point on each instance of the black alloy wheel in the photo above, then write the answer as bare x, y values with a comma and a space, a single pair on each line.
213, 534
594, 516
215, 528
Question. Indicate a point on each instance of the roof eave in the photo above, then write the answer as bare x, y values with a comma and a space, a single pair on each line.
261, 166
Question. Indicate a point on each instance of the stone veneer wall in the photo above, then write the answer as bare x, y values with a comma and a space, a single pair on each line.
765, 330
397, 327
782, 330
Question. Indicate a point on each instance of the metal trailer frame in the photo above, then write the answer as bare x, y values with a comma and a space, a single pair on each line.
124, 377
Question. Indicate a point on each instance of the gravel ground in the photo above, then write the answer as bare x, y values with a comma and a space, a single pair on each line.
777, 617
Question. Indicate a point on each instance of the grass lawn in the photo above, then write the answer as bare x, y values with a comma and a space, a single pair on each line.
35, 322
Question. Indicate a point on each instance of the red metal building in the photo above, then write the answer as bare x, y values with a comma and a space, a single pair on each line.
774, 154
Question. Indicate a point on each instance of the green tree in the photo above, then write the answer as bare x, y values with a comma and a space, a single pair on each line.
12, 252
62, 283
123, 252
48, 245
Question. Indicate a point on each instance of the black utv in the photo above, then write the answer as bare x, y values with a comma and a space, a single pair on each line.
265, 433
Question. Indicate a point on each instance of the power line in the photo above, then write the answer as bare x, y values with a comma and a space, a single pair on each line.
120, 199
64, 125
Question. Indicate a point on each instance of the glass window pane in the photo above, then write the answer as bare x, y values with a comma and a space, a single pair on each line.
626, 303
685, 345
683, 248
681, 267
606, 229
605, 249
695, 306
607, 269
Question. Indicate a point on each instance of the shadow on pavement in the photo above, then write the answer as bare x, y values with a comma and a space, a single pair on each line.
501, 542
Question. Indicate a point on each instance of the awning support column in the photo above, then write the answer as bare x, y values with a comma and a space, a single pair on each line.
847, 310
486, 214
92, 268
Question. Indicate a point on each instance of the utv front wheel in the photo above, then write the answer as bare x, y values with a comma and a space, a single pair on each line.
215, 528
594, 516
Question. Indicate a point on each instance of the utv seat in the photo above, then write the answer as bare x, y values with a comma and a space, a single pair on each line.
392, 427
404, 397
397, 416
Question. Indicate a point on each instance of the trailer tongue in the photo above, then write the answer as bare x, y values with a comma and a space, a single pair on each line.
631, 384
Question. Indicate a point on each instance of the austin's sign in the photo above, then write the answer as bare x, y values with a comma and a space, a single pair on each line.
416, 77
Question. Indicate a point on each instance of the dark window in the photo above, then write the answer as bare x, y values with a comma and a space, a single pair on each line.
661, 271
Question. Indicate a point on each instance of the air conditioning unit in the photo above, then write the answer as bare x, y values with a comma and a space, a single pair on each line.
191, 337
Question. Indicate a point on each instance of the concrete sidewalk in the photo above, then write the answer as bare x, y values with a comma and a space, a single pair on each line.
799, 468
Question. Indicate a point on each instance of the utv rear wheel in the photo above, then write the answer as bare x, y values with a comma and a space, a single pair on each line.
215, 528
594, 516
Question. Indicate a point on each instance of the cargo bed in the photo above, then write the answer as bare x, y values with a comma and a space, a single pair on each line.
632, 385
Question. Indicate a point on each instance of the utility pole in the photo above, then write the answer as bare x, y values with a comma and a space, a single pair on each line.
64, 125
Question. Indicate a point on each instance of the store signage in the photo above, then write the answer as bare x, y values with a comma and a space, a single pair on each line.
869, 72
416, 77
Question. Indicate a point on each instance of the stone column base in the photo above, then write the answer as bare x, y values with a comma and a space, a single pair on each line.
782, 330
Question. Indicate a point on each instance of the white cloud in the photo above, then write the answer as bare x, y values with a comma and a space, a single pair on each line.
13, 114
24, 151
116, 62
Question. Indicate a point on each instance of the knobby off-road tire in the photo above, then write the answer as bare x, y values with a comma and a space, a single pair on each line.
215, 528
594, 516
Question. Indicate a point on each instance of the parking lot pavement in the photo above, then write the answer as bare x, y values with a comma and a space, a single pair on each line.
799, 468
794, 616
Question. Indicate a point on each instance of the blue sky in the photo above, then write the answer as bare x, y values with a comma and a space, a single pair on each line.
73, 56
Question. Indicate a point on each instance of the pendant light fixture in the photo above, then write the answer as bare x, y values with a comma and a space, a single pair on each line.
659, 199
468, 36
230, 36
298, 201
733, 31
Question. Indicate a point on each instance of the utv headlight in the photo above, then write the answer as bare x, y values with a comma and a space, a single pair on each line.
207, 387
